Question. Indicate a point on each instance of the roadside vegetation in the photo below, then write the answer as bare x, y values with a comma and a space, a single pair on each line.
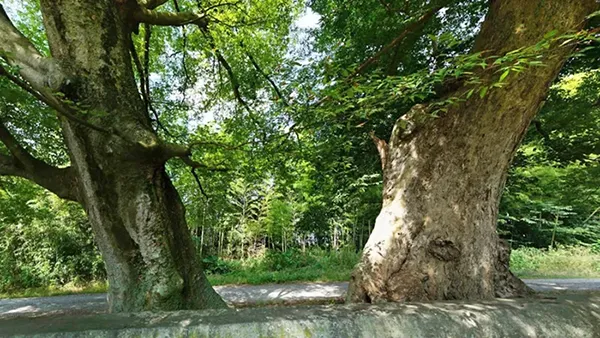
319, 265
285, 182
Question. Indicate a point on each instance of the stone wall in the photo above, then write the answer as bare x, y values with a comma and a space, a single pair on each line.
573, 316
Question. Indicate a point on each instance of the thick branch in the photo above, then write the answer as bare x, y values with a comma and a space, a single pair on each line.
8, 166
152, 4
40, 71
144, 15
197, 165
13, 146
172, 150
407, 30
60, 181
235, 85
46, 97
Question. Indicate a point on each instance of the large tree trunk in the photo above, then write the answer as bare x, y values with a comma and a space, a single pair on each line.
136, 213
435, 237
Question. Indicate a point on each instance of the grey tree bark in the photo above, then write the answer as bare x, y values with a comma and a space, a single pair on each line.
435, 237
117, 159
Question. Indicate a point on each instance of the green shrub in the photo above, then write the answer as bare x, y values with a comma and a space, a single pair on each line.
291, 259
562, 262
595, 247
215, 265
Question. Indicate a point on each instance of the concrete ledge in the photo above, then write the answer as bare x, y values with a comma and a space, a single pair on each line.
572, 316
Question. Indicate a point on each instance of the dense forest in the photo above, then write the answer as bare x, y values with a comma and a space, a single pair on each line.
281, 102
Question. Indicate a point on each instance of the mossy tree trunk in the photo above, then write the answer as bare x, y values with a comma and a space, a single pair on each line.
435, 237
136, 213
117, 171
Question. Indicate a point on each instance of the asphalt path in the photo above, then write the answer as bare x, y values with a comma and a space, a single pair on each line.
241, 295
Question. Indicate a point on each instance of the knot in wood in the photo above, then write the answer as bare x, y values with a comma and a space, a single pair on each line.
443, 250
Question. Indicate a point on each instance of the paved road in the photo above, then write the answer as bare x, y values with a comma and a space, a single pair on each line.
240, 296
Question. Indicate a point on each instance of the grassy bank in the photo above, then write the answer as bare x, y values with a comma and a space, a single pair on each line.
574, 262
323, 266
56, 290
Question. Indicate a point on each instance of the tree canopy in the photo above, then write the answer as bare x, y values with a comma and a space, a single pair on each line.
271, 125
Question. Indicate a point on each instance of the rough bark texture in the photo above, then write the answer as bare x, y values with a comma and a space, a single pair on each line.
136, 213
435, 237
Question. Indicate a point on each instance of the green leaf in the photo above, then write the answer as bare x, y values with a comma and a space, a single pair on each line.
470, 93
595, 14
504, 75
550, 34
483, 91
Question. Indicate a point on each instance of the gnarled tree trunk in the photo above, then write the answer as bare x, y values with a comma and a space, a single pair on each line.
435, 237
136, 213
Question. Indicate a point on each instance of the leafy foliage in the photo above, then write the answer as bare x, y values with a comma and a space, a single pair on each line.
290, 121
44, 241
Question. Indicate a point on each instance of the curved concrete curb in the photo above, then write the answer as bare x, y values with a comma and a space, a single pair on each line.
573, 316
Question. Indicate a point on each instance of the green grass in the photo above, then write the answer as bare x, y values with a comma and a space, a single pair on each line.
322, 266
306, 274
294, 266
574, 262
52, 290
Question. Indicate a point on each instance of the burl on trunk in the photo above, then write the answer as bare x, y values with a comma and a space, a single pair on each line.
435, 237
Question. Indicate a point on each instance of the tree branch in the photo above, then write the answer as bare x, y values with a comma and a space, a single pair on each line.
13, 146
51, 101
267, 77
197, 165
392, 10
152, 4
60, 181
8, 166
198, 182
407, 30
19, 52
142, 74
172, 150
144, 15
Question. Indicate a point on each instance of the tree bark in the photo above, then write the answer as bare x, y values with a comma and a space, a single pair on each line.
136, 214
435, 237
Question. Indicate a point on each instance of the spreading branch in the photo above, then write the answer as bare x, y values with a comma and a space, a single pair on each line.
405, 32
51, 101
198, 182
19, 52
265, 75
197, 165
152, 4
186, 76
142, 74
60, 181
235, 84
387, 48
172, 150
41, 76
70, 113
144, 15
